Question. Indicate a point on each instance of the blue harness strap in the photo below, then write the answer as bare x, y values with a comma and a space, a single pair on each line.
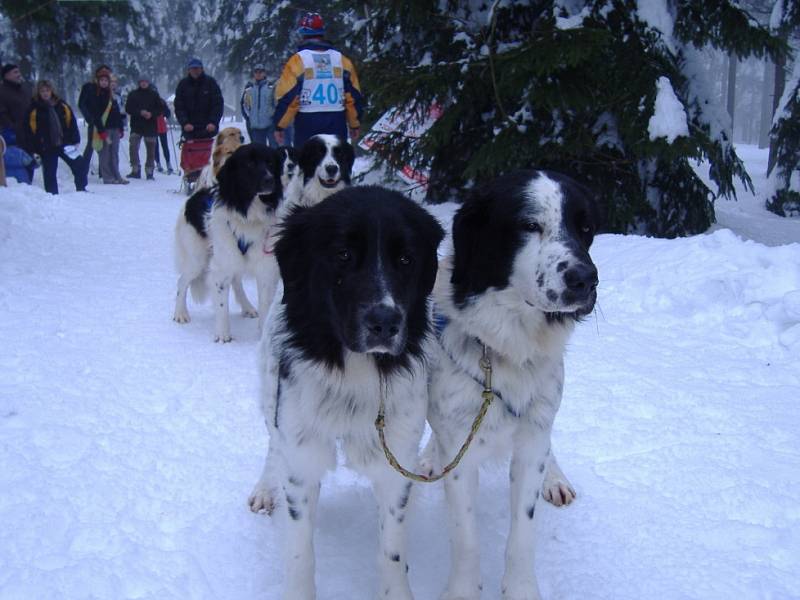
243, 244
439, 324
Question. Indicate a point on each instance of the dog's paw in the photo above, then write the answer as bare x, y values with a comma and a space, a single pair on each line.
250, 313
557, 491
262, 500
223, 339
181, 317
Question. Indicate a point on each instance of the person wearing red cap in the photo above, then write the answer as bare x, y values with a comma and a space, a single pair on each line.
318, 89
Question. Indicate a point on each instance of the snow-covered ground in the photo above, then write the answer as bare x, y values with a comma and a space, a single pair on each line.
128, 443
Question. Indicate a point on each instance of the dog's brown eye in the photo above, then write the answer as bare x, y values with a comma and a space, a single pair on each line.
344, 255
404, 259
532, 227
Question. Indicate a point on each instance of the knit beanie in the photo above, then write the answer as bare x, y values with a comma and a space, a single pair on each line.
7, 68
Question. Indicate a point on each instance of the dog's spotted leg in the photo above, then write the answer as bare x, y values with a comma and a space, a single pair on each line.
300, 496
392, 492
461, 487
557, 489
248, 310
302, 465
528, 464
222, 328
181, 314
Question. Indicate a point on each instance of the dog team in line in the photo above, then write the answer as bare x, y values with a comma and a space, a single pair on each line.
375, 318
364, 310
318, 92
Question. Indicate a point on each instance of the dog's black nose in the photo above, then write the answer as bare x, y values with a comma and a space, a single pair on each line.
581, 281
383, 322
331, 170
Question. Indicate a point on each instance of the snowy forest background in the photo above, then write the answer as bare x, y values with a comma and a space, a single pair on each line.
627, 95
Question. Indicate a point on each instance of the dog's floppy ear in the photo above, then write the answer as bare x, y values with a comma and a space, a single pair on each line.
468, 226
228, 180
310, 155
293, 250
429, 230
346, 156
232, 190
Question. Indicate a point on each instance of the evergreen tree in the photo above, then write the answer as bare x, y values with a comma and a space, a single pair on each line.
608, 90
784, 173
264, 31
65, 41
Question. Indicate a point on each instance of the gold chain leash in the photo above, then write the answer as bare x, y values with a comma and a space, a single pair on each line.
487, 394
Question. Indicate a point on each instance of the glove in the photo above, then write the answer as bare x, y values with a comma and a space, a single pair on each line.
121, 133
103, 135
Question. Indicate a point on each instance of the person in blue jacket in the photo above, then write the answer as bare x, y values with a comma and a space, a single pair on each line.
258, 106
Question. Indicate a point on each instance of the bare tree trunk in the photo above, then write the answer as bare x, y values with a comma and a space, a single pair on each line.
723, 89
731, 96
780, 84
766, 104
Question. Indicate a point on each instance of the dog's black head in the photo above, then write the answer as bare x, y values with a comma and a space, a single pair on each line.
530, 230
358, 269
252, 172
328, 160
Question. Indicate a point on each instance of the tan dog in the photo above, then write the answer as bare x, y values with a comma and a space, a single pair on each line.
225, 144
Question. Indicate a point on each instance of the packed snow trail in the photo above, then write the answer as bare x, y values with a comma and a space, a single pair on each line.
129, 444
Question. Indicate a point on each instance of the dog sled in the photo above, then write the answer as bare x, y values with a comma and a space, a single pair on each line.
195, 155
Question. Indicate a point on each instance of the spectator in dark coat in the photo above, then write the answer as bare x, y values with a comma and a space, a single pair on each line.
88, 91
52, 131
198, 103
106, 120
15, 98
144, 106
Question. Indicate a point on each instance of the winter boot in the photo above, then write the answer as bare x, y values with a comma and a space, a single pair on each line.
150, 177
134, 174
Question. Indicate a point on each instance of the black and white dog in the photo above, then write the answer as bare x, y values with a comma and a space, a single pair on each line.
517, 280
358, 270
222, 234
322, 167
326, 165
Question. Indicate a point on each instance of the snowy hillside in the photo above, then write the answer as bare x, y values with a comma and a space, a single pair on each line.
129, 444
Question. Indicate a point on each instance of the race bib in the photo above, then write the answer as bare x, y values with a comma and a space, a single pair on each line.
323, 83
